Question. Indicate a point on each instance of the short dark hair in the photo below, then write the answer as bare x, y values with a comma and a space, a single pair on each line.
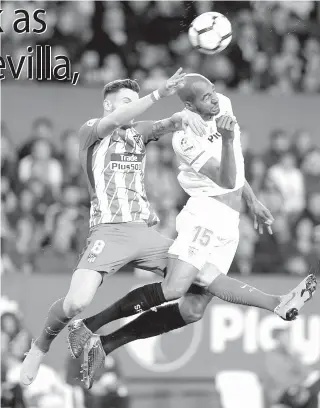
115, 86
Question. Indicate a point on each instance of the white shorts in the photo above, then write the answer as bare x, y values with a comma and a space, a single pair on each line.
205, 244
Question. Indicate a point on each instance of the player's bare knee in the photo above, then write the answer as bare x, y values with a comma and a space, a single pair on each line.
84, 284
172, 293
74, 305
191, 310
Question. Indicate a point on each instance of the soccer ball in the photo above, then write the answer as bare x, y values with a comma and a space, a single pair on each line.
210, 32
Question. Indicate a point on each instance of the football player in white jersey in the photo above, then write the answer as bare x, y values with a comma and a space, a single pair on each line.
212, 173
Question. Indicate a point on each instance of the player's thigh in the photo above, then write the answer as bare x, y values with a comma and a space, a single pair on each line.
83, 286
218, 263
153, 251
194, 241
109, 247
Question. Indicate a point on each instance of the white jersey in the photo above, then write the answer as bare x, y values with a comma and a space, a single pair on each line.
193, 152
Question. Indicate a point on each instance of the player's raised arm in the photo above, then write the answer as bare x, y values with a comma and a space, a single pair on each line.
194, 153
153, 130
132, 107
228, 167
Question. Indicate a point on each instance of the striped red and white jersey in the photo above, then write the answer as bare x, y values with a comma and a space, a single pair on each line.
114, 167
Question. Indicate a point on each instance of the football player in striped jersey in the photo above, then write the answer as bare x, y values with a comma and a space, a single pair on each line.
113, 155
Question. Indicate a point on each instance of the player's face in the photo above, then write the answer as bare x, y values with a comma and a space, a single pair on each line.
206, 100
122, 97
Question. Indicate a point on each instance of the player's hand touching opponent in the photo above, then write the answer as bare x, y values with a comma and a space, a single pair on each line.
173, 84
262, 217
225, 126
193, 120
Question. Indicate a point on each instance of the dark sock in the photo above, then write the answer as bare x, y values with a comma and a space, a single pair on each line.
149, 324
234, 291
136, 301
54, 324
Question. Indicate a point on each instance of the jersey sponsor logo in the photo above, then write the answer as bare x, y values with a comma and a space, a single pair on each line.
91, 258
128, 162
168, 352
192, 251
138, 139
186, 145
138, 308
214, 136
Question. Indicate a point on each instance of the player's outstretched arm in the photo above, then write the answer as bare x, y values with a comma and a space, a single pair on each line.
153, 130
262, 216
248, 194
125, 114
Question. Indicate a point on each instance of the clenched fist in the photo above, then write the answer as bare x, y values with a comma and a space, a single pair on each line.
225, 126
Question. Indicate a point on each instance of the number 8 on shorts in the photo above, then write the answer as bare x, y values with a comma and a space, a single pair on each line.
98, 247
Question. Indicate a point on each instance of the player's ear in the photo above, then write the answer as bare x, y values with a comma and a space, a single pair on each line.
107, 105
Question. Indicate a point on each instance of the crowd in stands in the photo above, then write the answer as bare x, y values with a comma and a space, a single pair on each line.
45, 202
275, 48
51, 389
275, 44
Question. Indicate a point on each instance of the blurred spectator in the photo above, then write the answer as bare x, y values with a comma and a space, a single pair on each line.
100, 40
254, 165
63, 221
287, 380
42, 128
109, 388
28, 232
11, 393
301, 145
279, 144
8, 156
313, 257
261, 77
64, 232
289, 181
306, 224
9, 201
48, 390
41, 165
8, 216
12, 326
271, 250
112, 68
43, 198
72, 172
15, 341
311, 170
